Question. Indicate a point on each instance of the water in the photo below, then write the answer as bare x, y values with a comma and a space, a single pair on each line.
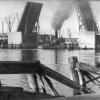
54, 59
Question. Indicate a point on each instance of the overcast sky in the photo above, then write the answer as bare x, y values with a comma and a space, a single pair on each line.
11, 7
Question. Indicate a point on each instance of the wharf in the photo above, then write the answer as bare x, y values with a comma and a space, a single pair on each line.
36, 68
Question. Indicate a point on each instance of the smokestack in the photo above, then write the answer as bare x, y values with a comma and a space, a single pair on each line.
59, 33
56, 34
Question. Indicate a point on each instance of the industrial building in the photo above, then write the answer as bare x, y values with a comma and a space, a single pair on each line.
11, 40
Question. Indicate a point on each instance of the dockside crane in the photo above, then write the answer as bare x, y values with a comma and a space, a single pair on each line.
9, 23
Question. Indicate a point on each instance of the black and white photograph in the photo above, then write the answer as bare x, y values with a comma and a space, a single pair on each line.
49, 50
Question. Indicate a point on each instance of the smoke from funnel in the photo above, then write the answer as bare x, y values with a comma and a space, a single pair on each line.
63, 12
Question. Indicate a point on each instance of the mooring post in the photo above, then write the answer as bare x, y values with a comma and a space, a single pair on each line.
72, 62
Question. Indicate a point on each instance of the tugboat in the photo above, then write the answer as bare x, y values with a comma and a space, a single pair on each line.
62, 43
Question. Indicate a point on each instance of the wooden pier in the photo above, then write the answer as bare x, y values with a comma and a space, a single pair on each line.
36, 68
86, 71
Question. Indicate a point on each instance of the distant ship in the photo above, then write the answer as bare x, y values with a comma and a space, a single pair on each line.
62, 43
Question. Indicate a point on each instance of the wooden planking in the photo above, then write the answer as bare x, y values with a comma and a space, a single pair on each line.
17, 67
62, 79
89, 68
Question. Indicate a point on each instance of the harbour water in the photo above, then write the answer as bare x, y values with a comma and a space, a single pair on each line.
54, 59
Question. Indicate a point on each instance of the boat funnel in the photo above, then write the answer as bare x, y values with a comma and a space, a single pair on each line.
56, 34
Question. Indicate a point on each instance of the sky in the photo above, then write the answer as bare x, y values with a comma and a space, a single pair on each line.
48, 16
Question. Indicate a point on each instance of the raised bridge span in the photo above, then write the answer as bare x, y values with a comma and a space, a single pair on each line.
89, 20
30, 18
28, 24
86, 12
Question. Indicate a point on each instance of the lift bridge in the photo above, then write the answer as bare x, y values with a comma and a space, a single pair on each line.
87, 21
29, 22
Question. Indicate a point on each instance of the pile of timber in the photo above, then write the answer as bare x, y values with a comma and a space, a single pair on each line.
89, 68
17, 67
84, 66
83, 73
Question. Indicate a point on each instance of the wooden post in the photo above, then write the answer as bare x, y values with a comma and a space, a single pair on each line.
62, 79
72, 63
